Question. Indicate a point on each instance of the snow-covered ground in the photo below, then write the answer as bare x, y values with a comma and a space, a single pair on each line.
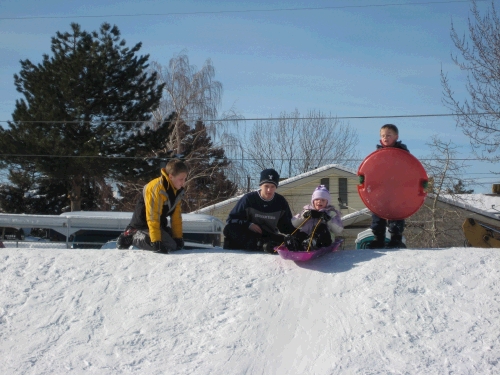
212, 311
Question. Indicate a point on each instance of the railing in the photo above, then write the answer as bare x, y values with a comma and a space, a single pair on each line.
71, 223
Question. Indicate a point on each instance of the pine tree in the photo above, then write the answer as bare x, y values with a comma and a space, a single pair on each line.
459, 188
208, 183
150, 154
82, 110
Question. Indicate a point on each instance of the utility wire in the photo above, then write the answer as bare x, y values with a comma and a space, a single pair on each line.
202, 158
264, 118
240, 11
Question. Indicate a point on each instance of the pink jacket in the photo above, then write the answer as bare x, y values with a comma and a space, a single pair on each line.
334, 224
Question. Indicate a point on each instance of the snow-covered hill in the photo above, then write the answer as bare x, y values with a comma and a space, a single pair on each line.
213, 311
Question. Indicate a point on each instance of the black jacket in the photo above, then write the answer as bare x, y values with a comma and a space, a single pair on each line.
398, 144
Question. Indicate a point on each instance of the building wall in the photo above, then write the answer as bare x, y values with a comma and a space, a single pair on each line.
300, 195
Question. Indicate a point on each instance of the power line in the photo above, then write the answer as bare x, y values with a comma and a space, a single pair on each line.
264, 118
239, 11
202, 158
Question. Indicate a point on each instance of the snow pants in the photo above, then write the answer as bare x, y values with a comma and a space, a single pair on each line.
379, 225
321, 235
239, 237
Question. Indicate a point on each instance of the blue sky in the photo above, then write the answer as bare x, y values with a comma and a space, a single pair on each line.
349, 59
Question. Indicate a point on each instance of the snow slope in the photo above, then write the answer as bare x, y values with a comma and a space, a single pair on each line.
212, 311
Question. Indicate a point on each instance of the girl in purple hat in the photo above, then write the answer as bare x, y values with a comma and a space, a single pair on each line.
319, 219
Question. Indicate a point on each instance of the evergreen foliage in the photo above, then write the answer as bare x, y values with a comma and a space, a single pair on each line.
82, 110
459, 188
208, 183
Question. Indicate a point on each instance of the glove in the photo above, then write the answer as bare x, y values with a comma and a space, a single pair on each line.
160, 247
325, 216
179, 242
312, 213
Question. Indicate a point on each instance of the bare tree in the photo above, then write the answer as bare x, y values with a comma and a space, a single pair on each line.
478, 116
194, 95
437, 224
294, 144
190, 93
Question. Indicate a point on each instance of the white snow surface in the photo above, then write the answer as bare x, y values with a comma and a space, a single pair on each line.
213, 311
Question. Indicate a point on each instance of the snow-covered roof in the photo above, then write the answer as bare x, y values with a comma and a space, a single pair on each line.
316, 171
356, 217
484, 204
282, 183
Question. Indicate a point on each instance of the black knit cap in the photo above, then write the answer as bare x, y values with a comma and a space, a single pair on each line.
269, 176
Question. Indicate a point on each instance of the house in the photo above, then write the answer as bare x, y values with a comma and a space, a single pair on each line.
341, 182
444, 215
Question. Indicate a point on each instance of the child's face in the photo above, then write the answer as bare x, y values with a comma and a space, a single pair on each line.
179, 180
267, 190
319, 203
388, 137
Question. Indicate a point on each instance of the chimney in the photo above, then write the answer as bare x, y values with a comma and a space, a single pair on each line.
495, 189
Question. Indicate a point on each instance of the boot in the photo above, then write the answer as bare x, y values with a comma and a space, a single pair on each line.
268, 247
309, 244
378, 242
228, 245
292, 243
396, 242
124, 240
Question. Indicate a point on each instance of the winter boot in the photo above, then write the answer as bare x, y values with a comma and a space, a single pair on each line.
292, 243
309, 244
228, 244
378, 242
396, 242
253, 244
124, 240
269, 246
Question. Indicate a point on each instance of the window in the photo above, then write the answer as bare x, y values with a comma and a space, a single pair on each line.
343, 202
325, 182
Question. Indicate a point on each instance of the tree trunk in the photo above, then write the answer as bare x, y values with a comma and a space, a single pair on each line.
75, 194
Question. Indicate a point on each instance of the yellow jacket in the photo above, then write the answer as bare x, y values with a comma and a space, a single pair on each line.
159, 200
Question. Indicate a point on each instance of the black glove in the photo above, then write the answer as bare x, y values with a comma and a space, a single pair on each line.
179, 242
325, 216
159, 247
315, 214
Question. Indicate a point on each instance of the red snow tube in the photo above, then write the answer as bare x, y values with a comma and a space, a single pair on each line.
392, 183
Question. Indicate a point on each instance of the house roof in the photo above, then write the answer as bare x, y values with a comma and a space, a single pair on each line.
343, 170
483, 204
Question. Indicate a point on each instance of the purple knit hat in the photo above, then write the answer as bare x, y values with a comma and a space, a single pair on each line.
321, 192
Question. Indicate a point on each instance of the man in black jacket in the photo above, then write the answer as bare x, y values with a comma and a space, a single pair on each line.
260, 218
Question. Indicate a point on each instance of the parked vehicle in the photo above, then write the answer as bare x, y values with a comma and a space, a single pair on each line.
92, 239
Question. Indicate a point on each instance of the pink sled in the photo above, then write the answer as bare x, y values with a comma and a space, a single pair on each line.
304, 256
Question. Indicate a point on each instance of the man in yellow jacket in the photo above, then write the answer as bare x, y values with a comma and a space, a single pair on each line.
160, 198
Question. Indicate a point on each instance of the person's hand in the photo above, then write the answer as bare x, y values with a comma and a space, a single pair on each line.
325, 216
255, 228
315, 214
159, 247
179, 242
